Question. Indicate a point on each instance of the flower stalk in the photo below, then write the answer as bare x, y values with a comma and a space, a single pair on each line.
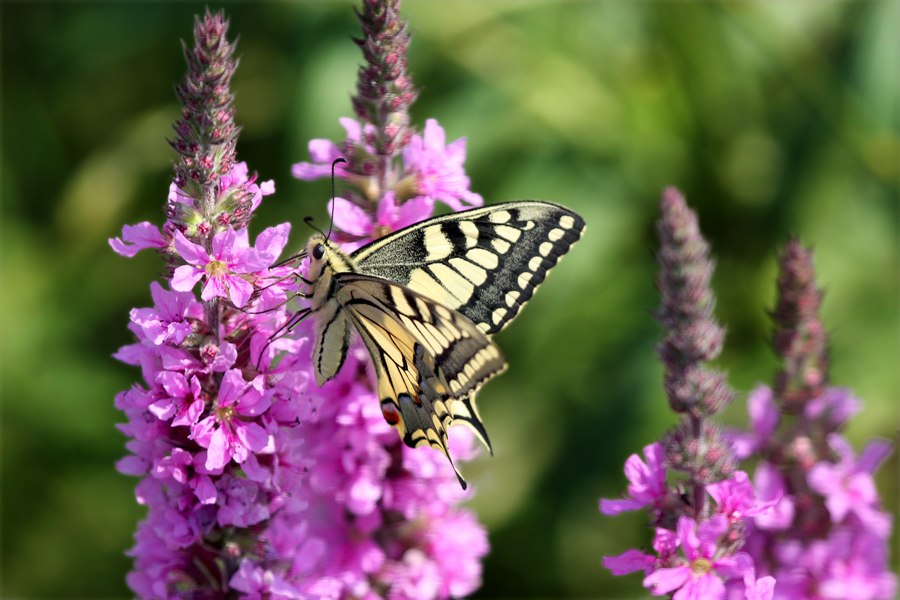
692, 338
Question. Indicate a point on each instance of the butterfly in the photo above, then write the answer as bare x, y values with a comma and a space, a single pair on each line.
426, 300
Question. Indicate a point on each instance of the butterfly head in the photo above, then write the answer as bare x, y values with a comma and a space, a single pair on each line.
324, 254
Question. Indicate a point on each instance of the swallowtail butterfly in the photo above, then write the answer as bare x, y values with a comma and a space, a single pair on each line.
425, 301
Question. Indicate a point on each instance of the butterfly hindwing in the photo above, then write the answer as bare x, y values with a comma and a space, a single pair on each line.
429, 361
484, 263
458, 353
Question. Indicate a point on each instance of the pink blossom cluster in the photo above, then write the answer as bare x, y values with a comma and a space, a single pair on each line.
430, 170
252, 473
699, 559
827, 536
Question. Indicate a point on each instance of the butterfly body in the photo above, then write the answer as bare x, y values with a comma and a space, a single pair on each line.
425, 301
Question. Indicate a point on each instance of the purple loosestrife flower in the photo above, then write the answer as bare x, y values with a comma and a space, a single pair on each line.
171, 322
224, 432
704, 510
848, 487
356, 224
138, 237
230, 257
207, 426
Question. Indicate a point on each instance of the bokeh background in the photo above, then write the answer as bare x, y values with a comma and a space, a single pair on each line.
773, 118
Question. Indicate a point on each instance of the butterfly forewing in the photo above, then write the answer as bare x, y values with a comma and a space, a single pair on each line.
484, 263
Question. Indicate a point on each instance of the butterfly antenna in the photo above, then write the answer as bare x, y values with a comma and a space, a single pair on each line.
333, 165
309, 221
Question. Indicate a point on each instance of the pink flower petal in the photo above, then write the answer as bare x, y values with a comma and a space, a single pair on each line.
351, 126
186, 277
132, 465
205, 490
764, 415
137, 237
271, 242
873, 454
213, 288
267, 188
628, 562
614, 507
239, 290
220, 450
663, 581
413, 211
350, 218
192, 253
251, 436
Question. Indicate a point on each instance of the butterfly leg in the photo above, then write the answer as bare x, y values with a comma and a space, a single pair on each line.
285, 329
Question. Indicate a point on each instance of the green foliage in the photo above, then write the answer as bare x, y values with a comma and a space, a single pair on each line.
772, 118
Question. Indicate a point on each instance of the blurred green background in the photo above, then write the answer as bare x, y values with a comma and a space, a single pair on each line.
773, 118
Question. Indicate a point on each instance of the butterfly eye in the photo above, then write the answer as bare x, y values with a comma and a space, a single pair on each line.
318, 252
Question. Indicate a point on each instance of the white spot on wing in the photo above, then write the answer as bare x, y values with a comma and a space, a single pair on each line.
566, 222
510, 233
471, 232
545, 248
499, 245
500, 216
529, 225
511, 298
458, 286
555, 234
535, 263
524, 278
498, 315
483, 257
437, 244
470, 271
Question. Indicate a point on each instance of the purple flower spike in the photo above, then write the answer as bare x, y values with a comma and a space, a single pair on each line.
799, 334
